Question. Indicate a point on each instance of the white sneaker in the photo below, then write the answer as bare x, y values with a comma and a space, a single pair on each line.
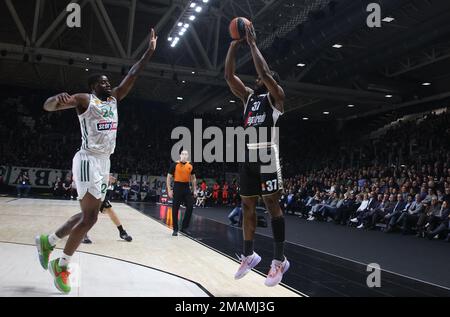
277, 269
247, 264
311, 218
354, 220
361, 226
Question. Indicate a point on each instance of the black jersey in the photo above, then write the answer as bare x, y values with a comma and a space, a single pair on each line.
259, 112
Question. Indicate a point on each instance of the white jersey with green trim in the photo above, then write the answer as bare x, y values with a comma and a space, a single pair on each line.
99, 126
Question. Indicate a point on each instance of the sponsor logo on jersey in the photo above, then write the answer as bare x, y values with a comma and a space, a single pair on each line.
106, 126
255, 120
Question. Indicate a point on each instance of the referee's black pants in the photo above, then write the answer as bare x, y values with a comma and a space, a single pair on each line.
182, 193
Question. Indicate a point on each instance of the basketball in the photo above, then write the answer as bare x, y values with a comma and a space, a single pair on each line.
237, 28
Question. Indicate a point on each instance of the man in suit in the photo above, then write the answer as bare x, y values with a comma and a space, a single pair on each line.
392, 217
442, 221
426, 219
349, 205
384, 209
411, 215
367, 215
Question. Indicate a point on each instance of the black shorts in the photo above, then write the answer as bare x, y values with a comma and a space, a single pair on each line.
105, 205
254, 181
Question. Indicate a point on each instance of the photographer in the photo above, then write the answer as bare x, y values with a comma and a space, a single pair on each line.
23, 184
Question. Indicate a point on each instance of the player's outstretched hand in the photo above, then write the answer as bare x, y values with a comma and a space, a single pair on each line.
153, 40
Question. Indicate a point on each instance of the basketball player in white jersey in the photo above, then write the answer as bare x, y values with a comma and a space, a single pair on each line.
97, 113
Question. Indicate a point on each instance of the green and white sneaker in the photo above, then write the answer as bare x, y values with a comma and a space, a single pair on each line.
44, 249
60, 275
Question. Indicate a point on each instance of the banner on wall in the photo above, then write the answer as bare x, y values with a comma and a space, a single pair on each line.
39, 177
46, 177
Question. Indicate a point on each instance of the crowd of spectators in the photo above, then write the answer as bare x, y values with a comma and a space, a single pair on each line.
397, 181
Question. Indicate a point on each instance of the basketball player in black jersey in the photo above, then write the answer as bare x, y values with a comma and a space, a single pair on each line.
262, 107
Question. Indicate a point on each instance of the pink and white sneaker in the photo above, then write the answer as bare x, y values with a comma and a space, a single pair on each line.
247, 264
277, 269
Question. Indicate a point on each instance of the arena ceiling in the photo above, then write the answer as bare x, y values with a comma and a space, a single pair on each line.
38, 50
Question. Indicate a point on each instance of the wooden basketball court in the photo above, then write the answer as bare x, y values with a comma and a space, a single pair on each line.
178, 266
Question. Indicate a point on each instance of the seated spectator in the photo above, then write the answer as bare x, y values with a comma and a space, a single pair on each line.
58, 190
125, 191
385, 209
432, 211
366, 216
361, 208
327, 211
74, 193
290, 202
441, 223
411, 216
323, 200
23, 184
67, 187
135, 188
391, 218
348, 207
235, 216
144, 192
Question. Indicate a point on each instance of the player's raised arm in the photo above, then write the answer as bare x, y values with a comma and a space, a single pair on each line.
234, 82
65, 101
127, 83
263, 70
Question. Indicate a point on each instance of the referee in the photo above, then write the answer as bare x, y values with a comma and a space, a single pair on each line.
182, 173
